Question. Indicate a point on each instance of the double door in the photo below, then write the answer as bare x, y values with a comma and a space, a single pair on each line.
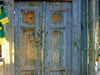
43, 38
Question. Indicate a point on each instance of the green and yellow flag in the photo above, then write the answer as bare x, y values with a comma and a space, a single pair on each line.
3, 20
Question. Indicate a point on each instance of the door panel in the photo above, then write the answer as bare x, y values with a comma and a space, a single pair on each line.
57, 53
53, 29
58, 19
28, 57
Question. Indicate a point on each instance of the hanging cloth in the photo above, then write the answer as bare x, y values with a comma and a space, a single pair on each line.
3, 20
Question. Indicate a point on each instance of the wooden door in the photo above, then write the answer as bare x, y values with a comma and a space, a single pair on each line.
27, 22
58, 38
43, 31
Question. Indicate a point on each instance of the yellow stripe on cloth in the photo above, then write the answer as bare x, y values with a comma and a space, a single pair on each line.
0, 10
4, 20
0, 28
2, 40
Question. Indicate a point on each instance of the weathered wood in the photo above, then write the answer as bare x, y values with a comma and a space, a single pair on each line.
16, 27
84, 38
59, 0
54, 51
92, 37
47, 0
76, 37
28, 57
58, 40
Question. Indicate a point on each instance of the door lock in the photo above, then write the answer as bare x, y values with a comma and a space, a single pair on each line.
37, 43
38, 38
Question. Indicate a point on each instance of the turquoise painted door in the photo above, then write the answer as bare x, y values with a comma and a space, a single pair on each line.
43, 34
